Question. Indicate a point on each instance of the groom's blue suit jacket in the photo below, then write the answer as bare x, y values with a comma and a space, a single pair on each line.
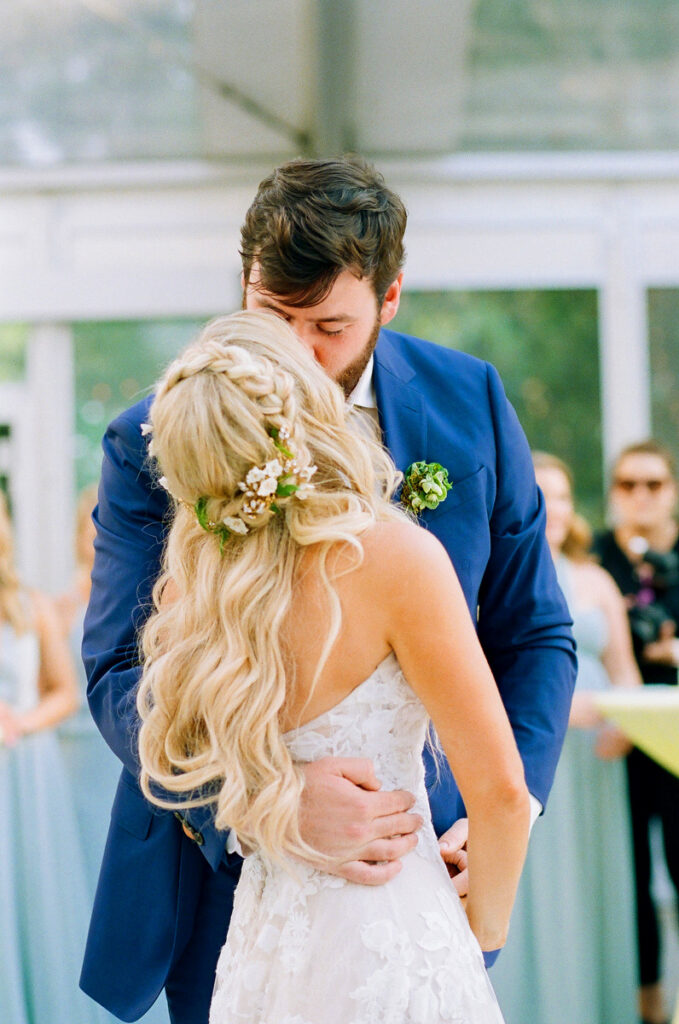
434, 404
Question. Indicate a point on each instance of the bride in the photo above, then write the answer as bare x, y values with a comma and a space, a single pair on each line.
300, 614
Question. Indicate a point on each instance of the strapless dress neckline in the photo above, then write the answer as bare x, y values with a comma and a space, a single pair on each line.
289, 733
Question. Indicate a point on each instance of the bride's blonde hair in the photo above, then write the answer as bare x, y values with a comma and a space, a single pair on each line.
215, 680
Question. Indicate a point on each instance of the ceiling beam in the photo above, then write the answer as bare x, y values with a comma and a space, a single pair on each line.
335, 116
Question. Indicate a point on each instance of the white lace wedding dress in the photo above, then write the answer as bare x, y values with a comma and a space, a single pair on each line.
309, 948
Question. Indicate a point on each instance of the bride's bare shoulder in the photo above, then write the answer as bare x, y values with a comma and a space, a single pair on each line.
401, 546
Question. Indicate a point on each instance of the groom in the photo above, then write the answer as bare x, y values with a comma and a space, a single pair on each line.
322, 247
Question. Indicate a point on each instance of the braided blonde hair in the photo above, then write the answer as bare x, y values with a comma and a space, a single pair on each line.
215, 681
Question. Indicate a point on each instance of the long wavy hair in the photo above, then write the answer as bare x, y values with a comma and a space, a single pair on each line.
215, 678
578, 540
12, 605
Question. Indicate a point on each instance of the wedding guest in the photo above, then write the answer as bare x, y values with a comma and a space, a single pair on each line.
91, 767
43, 905
641, 552
571, 943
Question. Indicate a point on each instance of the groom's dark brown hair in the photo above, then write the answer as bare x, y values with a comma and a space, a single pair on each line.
312, 219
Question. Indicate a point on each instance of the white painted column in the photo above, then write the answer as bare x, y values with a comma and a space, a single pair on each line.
48, 562
623, 338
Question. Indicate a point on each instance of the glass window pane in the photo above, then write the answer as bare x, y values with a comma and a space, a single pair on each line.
663, 316
116, 364
12, 351
101, 82
85, 81
545, 346
582, 74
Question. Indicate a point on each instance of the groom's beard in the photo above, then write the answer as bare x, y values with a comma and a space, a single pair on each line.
351, 374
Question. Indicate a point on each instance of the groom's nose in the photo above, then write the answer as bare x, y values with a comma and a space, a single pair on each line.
308, 336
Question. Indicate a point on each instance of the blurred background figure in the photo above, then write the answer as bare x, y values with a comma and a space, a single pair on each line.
43, 905
570, 953
92, 768
642, 554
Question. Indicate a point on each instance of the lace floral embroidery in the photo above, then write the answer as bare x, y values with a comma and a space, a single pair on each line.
306, 947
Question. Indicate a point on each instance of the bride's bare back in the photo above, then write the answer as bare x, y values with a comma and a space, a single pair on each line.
362, 642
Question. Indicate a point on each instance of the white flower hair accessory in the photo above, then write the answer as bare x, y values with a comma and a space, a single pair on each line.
234, 524
280, 477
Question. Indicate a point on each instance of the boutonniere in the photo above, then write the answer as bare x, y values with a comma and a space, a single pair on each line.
425, 485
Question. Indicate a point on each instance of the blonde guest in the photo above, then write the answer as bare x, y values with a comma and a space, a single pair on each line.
71, 602
570, 954
93, 770
43, 908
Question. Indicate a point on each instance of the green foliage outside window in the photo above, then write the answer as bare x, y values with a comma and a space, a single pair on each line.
12, 351
116, 365
663, 318
544, 344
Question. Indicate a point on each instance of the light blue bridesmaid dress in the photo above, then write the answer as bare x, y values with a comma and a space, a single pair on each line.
43, 894
570, 957
93, 771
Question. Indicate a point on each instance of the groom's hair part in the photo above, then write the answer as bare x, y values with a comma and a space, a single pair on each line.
313, 219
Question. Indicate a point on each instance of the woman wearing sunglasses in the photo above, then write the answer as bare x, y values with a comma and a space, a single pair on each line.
641, 552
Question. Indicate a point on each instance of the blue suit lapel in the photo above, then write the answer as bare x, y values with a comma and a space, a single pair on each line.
400, 406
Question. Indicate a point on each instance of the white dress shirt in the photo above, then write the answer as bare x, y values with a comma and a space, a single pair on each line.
363, 395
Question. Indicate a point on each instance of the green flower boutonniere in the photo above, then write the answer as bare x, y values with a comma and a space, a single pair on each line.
426, 485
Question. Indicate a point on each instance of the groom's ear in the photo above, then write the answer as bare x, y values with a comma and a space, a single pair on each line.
392, 298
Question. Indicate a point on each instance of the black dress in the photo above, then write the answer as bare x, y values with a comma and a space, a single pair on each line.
653, 791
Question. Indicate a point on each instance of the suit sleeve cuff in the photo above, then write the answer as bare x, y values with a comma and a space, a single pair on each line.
232, 844
536, 809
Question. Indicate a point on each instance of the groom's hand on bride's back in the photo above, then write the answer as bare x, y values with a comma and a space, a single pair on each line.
345, 815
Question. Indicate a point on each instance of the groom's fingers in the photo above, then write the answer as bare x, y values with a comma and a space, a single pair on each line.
343, 811
369, 874
390, 849
397, 825
359, 770
388, 803
461, 883
455, 838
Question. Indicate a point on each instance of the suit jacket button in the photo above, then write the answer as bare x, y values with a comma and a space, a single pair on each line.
189, 830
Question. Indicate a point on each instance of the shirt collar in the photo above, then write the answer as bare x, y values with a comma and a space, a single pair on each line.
363, 395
